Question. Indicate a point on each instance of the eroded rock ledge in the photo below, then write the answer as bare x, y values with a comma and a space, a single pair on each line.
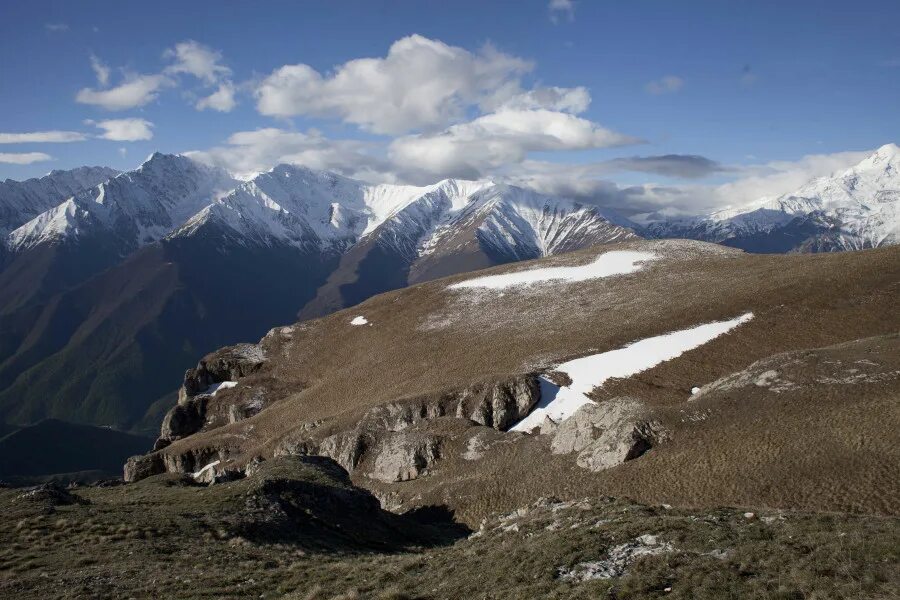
385, 438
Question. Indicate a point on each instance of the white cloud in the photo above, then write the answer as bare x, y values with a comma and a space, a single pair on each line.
101, 70
564, 8
503, 138
195, 59
665, 85
574, 100
221, 100
248, 152
124, 130
137, 90
123, 151
420, 84
42, 137
751, 183
23, 158
56, 27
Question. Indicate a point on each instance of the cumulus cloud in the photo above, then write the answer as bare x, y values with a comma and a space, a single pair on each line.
193, 58
42, 137
665, 85
124, 130
574, 100
471, 149
420, 84
136, 91
101, 70
248, 152
186, 58
23, 158
221, 100
561, 8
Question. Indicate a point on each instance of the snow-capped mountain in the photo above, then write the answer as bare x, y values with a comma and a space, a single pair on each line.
21, 201
858, 208
136, 207
315, 209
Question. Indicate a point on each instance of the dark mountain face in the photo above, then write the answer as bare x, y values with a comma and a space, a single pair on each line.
105, 351
56, 448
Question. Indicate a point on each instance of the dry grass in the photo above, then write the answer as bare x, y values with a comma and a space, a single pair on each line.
159, 540
826, 449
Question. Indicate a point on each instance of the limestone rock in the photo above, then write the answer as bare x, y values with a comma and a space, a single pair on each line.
403, 455
606, 434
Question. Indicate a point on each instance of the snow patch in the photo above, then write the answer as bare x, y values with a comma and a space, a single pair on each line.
222, 385
618, 262
208, 467
589, 372
360, 320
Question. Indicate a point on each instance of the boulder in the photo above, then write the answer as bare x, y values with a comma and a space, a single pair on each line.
403, 455
606, 434
143, 466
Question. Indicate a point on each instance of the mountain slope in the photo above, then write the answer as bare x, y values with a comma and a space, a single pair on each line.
98, 227
859, 208
415, 391
54, 447
21, 201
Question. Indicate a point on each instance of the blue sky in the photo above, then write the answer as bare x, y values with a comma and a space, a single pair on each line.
738, 90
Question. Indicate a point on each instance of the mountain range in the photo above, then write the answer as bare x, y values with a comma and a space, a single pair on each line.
854, 209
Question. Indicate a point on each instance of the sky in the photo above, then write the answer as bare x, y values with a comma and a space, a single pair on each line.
643, 106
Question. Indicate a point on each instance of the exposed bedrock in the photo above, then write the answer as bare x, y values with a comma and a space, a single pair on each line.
377, 438
190, 414
607, 434
398, 455
226, 364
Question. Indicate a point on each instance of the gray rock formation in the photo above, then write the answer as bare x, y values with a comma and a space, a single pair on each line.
606, 434
404, 455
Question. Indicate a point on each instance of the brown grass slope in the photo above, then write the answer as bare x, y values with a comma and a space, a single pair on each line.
428, 339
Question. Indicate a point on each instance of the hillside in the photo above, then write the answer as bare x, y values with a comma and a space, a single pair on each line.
413, 391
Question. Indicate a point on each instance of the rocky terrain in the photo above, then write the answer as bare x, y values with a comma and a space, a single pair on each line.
295, 528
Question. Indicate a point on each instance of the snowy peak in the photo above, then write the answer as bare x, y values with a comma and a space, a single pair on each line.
21, 201
137, 207
857, 208
317, 209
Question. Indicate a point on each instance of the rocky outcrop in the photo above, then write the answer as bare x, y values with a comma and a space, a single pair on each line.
143, 466
378, 436
404, 455
497, 404
226, 364
607, 434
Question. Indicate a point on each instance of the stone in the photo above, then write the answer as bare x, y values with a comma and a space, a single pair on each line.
606, 434
403, 456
